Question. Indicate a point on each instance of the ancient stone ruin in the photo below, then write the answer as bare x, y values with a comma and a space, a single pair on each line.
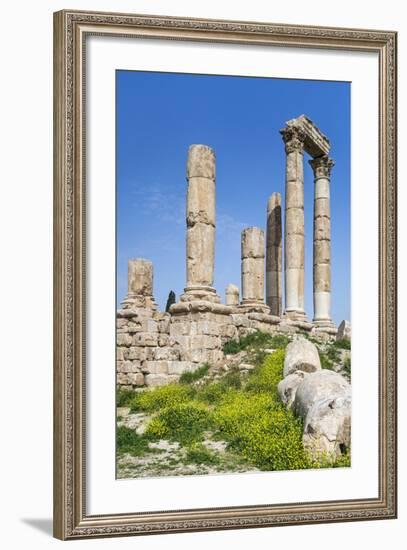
155, 347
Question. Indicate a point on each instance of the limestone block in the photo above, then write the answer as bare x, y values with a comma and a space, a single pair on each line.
128, 366
201, 201
134, 327
322, 277
322, 228
166, 353
163, 340
120, 354
155, 380
294, 251
228, 331
301, 354
252, 242
295, 220
156, 367
124, 340
327, 427
322, 252
287, 388
344, 331
240, 320
136, 378
317, 386
208, 328
200, 254
164, 325
122, 379
252, 279
120, 323
294, 166
322, 208
145, 339
140, 277
137, 353
201, 162
295, 194
179, 328
232, 295
149, 325
178, 367
205, 342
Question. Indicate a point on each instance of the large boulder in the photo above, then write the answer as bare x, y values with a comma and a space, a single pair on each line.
327, 428
319, 386
287, 388
344, 331
301, 354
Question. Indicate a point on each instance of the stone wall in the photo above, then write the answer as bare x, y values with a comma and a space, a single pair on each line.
154, 348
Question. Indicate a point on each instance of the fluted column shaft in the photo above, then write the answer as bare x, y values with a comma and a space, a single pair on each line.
274, 255
294, 222
322, 167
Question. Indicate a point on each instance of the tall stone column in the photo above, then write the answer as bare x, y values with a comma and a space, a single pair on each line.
294, 222
140, 284
200, 217
253, 269
322, 167
274, 255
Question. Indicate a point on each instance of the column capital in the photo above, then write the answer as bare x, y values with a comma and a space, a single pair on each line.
322, 166
294, 138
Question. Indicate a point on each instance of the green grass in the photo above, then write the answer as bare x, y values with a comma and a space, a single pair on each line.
257, 340
343, 344
190, 377
124, 397
243, 411
129, 441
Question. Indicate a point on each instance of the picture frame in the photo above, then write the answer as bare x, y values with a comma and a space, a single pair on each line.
72, 29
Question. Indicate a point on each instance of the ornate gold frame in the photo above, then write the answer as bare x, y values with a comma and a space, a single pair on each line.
70, 31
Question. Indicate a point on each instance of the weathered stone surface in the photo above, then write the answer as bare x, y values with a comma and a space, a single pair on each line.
178, 367
252, 265
136, 379
344, 331
320, 385
140, 277
166, 354
156, 367
252, 242
301, 354
201, 162
232, 295
145, 339
287, 388
124, 339
137, 353
327, 427
274, 245
154, 380
200, 254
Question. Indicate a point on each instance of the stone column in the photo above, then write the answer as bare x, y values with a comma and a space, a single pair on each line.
232, 295
253, 269
273, 255
140, 284
322, 167
200, 217
294, 223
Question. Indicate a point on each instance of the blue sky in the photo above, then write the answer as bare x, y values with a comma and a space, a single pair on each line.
160, 114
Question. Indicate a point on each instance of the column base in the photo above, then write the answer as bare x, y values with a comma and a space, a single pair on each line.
139, 301
200, 292
325, 325
247, 306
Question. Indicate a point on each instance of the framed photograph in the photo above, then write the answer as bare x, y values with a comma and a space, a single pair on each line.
225, 274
